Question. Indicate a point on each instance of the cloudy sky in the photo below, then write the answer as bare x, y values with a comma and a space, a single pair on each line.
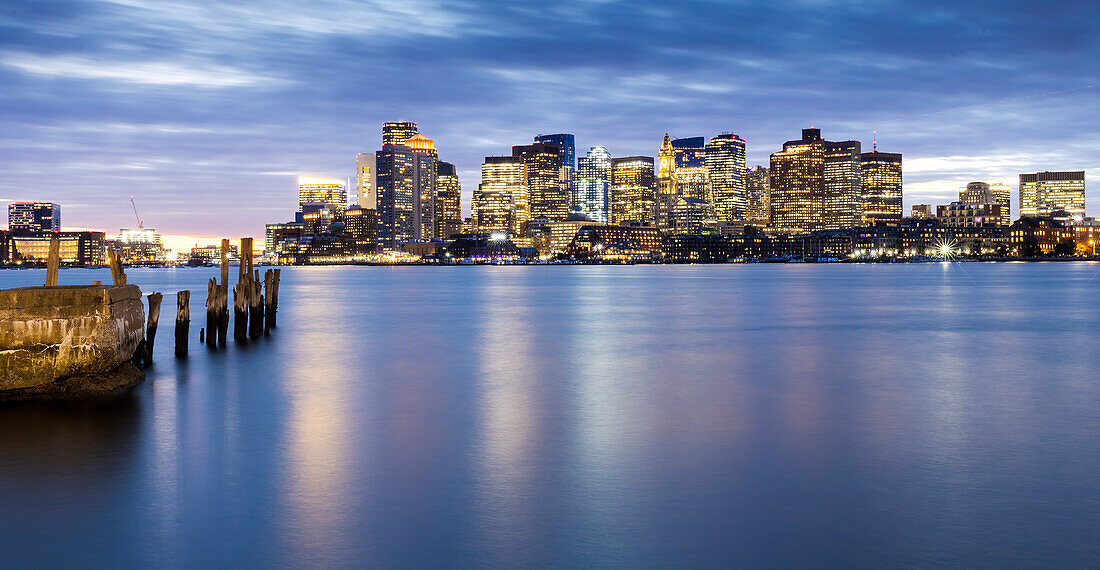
206, 111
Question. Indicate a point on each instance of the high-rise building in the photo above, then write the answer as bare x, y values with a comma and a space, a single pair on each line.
501, 201
981, 193
842, 184
397, 132
406, 182
593, 186
692, 216
880, 177
725, 163
550, 198
34, 216
691, 168
632, 188
756, 195
448, 206
815, 184
567, 149
366, 189
1044, 193
330, 192
361, 225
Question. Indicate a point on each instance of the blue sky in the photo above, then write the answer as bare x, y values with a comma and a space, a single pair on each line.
206, 111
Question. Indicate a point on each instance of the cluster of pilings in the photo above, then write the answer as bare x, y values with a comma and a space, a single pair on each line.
255, 302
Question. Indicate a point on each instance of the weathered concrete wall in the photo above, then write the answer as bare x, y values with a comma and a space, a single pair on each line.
49, 334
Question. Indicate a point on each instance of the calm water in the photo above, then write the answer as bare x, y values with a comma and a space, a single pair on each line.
768, 415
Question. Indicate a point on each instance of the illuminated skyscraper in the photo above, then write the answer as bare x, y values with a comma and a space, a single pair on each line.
448, 206
1044, 193
397, 132
567, 149
330, 192
34, 216
815, 184
880, 176
366, 191
725, 162
842, 185
756, 195
406, 182
691, 168
632, 188
985, 193
593, 185
501, 201
550, 198
692, 216
796, 176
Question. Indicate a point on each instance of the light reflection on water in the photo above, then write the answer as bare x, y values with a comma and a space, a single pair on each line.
588, 416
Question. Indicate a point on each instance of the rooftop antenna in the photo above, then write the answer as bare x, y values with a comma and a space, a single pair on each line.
141, 223
874, 141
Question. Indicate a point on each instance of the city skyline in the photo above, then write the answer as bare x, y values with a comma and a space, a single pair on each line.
190, 107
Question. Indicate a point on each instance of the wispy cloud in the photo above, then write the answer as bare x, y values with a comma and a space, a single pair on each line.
139, 72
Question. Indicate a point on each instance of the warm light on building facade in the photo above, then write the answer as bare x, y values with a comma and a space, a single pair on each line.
880, 178
328, 191
725, 164
1044, 193
501, 201
632, 188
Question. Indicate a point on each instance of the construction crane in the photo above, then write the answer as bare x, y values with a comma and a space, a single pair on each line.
141, 222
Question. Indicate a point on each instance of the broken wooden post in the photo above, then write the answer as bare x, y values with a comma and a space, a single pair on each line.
151, 326
223, 313
53, 260
118, 276
225, 262
240, 311
212, 312
256, 307
202, 335
269, 312
183, 321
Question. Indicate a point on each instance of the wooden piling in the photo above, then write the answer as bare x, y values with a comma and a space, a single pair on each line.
213, 291
183, 321
53, 261
240, 311
275, 277
269, 311
222, 304
151, 325
255, 307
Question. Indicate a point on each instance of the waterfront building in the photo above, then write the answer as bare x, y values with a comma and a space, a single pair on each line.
725, 165
692, 216
448, 205
815, 184
549, 197
567, 149
880, 179
1044, 193
989, 193
632, 188
666, 183
562, 233
483, 248
274, 234
361, 225
756, 195
328, 191
501, 201
593, 185
397, 132
366, 185
406, 182
1032, 236
77, 249
617, 243
971, 214
692, 180
921, 211
34, 216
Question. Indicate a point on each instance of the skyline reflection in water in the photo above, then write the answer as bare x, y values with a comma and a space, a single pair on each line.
647, 416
